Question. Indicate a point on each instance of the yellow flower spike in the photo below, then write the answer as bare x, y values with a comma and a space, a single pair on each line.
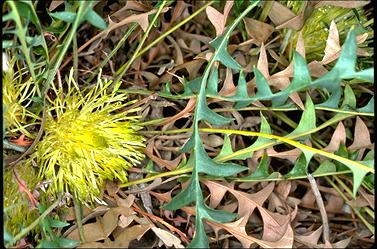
87, 140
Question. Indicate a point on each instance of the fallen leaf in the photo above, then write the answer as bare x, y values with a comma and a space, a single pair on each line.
92, 232
171, 165
189, 107
334, 204
92, 245
280, 14
310, 238
167, 238
257, 30
54, 4
131, 233
217, 194
290, 155
217, 19
228, 87
368, 197
361, 136
338, 137
110, 219
333, 47
295, 23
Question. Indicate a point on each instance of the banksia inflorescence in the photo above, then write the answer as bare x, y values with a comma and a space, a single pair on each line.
88, 139
17, 95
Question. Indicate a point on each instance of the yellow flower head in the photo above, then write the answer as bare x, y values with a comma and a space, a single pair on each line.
88, 138
17, 95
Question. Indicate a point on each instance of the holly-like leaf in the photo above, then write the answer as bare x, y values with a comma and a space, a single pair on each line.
307, 121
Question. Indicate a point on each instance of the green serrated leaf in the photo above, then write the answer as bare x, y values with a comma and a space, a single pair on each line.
347, 59
263, 89
248, 152
185, 197
200, 239
213, 81
369, 108
65, 16
301, 80
67, 243
96, 20
222, 55
188, 145
215, 215
365, 75
359, 174
57, 223
241, 91
333, 100
349, 101
205, 113
8, 44
206, 165
301, 74
226, 149
194, 85
343, 152
299, 169
325, 167
261, 171
307, 121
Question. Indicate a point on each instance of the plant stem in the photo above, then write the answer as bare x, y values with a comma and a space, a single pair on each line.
78, 209
26, 230
357, 212
84, 7
123, 69
114, 51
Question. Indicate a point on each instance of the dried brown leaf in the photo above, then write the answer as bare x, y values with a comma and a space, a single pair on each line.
185, 112
262, 64
131, 233
110, 219
178, 55
311, 238
217, 19
361, 137
167, 238
316, 69
238, 231
54, 4
332, 45
217, 193
257, 30
295, 23
334, 204
171, 165
228, 87
338, 137
246, 202
280, 14
92, 245
290, 155
368, 197
92, 232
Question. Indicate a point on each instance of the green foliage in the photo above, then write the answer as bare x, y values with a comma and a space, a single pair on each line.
51, 238
206, 86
